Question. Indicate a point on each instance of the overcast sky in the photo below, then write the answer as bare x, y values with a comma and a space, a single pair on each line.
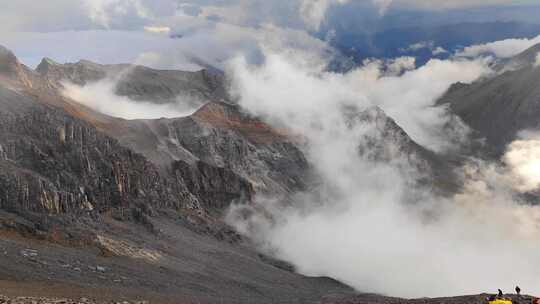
124, 30
57, 15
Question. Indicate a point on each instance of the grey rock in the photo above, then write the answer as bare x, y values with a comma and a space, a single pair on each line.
498, 107
101, 268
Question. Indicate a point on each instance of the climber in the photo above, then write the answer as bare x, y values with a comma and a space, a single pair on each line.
518, 299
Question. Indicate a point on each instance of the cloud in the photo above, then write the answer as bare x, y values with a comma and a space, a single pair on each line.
313, 12
429, 45
104, 12
438, 51
412, 108
382, 5
523, 159
502, 49
205, 44
113, 47
369, 223
157, 29
537, 60
53, 15
447, 4
391, 85
62, 15
101, 97
418, 46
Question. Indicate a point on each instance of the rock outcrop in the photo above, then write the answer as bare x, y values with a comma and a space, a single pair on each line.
214, 187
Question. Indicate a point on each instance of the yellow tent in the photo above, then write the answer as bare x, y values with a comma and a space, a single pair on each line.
500, 301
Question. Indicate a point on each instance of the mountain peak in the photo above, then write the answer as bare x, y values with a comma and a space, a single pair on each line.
11, 68
45, 65
8, 61
3, 49
525, 59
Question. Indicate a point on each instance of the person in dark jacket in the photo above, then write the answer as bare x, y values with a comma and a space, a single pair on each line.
500, 295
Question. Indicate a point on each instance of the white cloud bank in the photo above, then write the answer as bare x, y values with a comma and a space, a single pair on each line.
100, 96
523, 159
313, 12
104, 12
394, 86
371, 225
157, 29
384, 5
503, 49
537, 60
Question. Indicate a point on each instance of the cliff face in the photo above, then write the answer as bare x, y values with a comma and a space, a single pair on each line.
215, 187
63, 165
222, 136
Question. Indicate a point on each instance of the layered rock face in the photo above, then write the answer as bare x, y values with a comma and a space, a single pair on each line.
220, 135
62, 165
215, 187
56, 159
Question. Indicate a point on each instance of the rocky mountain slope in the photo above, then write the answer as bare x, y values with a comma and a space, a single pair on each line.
134, 208
499, 107
82, 209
